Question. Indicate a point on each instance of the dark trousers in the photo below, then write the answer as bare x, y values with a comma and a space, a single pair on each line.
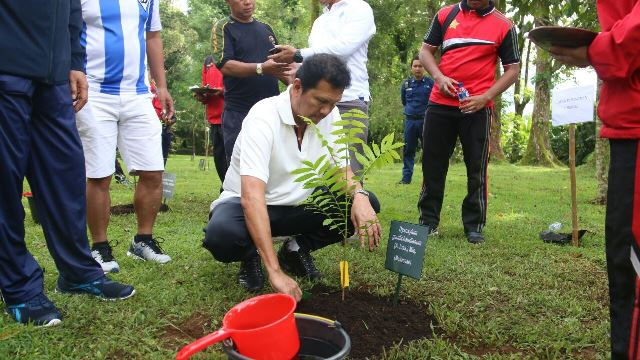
363, 106
167, 137
219, 157
39, 140
443, 126
623, 217
231, 126
228, 239
412, 133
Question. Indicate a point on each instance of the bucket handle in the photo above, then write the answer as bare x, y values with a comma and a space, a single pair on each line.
203, 343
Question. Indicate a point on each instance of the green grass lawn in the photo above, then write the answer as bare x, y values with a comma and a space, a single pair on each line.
512, 297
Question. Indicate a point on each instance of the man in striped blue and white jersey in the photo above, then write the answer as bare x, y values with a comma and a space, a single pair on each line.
120, 36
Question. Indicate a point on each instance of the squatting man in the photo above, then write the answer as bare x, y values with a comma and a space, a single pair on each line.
260, 198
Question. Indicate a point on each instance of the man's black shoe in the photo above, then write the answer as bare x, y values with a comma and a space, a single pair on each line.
432, 230
298, 263
475, 237
250, 276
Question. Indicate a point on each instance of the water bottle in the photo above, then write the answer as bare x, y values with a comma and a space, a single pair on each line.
462, 92
555, 226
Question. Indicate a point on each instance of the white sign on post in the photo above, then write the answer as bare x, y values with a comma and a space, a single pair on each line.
572, 106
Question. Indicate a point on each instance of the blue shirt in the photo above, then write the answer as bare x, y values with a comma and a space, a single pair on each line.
415, 95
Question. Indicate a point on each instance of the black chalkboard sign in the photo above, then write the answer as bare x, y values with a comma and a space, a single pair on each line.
406, 247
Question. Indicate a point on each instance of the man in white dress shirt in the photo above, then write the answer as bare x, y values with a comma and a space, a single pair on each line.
344, 29
261, 198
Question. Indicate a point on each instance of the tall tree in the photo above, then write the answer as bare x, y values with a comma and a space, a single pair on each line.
495, 138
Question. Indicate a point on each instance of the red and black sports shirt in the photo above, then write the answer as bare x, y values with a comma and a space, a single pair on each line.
471, 46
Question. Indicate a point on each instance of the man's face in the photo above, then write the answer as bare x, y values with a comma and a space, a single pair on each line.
242, 9
417, 69
477, 4
315, 103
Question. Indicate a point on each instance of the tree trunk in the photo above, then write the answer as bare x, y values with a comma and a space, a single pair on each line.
496, 154
602, 161
315, 11
521, 99
539, 147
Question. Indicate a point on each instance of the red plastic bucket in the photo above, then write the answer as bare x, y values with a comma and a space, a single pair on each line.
262, 328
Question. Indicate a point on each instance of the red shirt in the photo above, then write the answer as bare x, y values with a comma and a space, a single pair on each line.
156, 103
470, 48
615, 55
213, 77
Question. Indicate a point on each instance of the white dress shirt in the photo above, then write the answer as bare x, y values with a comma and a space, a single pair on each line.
345, 30
267, 149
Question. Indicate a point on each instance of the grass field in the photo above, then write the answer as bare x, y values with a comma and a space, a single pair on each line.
512, 297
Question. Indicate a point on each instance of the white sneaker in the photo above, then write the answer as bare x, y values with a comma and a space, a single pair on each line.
148, 250
102, 254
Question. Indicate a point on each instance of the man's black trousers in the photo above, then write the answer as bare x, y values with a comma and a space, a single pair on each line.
442, 127
228, 239
622, 230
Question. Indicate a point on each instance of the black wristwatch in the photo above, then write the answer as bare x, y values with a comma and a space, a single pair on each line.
297, 56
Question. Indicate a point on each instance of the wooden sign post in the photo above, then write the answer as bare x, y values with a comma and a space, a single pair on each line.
571, 106
405, 251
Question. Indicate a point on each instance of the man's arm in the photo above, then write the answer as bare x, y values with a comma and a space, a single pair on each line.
403, 93
445, 84
254, 206
156, 65
358, 28
479, 102
77, 78
241, 69
363, 216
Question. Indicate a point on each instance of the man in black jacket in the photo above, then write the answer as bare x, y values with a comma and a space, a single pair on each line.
41, 84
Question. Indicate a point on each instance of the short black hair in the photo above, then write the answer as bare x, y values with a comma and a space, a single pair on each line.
323, 67
416, 57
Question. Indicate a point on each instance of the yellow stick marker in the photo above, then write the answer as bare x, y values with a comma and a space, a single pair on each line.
344, 273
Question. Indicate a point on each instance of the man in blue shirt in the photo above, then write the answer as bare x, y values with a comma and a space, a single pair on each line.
414, 93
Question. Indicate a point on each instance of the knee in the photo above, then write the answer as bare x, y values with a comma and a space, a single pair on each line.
151, 178
99, 184
375, 203
220, 242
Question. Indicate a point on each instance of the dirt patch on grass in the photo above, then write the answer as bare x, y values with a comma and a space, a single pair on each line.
371, 321
125, 209
174, 336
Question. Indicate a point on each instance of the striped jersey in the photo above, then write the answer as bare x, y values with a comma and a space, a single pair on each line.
114, 35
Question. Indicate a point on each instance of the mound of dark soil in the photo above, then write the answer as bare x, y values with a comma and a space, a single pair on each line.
371, 321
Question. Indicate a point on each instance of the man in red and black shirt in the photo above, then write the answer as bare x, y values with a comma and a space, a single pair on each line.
471, 36
212, 78
615, 56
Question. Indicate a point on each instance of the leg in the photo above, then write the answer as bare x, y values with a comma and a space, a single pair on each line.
98, 208
364, 107
57, 176
412, 131
231, 126
624, 284
439, 140
227, 237
147, 200
474, 136
166, 142
219, 157
20, 275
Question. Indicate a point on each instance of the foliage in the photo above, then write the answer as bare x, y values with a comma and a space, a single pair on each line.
515, 136
327, 176
585, 142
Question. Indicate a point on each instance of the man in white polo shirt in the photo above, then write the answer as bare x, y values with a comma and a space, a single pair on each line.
119, 37
261, 199
344, 29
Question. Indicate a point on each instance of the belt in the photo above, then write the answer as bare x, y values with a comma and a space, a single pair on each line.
414, 117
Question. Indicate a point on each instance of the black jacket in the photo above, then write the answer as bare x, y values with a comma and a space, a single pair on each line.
40, 39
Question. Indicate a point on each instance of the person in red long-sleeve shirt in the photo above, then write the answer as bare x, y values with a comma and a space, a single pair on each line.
615, 55
212, 78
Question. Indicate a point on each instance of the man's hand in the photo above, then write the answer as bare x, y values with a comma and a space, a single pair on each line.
282, 283
275, 69
167, 103
447, 85
203, 98
79, 89
474, 103
365, 221
571, 56
284, 55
